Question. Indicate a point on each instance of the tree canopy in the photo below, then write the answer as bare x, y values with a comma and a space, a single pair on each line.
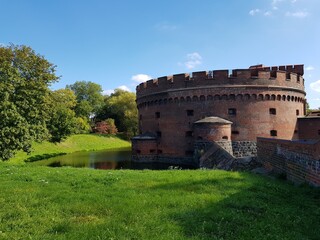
89, 97
24, 80
121, 106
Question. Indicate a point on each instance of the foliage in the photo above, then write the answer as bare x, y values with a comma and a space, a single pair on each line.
81, 125
89, 97
121, 106
106, 127
67, 203
73, 143
62, 121
24, 80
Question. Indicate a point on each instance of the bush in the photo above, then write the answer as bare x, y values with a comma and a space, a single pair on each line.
105, 127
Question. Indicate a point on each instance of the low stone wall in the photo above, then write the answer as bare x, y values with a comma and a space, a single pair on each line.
298, 160
244, 149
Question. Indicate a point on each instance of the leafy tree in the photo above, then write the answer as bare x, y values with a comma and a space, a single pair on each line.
62, 116
89, 98
14, 131
24, 80
121, 106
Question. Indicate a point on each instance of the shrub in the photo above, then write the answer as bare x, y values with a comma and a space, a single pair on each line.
105, 127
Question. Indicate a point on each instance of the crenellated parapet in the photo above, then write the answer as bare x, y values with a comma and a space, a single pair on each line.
283, 76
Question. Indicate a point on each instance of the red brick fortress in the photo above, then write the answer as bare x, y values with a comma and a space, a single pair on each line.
236, 106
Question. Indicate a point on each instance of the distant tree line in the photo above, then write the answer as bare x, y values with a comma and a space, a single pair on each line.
30, 111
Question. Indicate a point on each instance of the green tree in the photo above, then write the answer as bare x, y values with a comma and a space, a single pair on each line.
14, 129
121, 106
89, 98
24, 80
61, 122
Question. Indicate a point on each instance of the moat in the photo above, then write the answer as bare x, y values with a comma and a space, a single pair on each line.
106, 159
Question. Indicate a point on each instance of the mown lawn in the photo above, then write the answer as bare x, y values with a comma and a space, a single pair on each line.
68, 203
74, 143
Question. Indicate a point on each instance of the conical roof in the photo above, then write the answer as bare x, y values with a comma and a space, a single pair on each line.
213, 120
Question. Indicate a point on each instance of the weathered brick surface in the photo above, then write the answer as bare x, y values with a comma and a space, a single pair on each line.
298, 160
309, 127
170, 105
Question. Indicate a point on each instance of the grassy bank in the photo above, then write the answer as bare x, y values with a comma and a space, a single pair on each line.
75, 143
67, 203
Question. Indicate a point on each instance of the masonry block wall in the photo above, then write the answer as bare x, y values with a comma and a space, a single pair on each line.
298, 160
259, 101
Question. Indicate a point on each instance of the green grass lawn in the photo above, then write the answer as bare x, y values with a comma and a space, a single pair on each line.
69, 203
74, 143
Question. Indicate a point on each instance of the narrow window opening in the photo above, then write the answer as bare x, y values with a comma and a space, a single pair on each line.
295, 131
297, 112
152, 150
159, 151
273, 133
319, 132
225, 137
157, 114
190, 112
272, 111
235, 132
159, 134
189, 133
232, 111
189, 153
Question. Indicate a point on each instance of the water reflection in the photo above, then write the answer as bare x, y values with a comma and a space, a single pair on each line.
115, 159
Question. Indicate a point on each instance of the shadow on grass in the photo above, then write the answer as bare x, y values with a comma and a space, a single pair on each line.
251, 207
42, 157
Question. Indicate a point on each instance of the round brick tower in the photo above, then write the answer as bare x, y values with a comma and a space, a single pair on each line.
259, 101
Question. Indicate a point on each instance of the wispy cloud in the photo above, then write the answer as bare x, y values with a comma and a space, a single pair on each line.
286, 8
267, 13
139, 78
297, 14
165, 26
193, 60
110, 91
253, 12
309, 68
315, 86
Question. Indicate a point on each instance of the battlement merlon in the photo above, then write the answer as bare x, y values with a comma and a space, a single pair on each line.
293, 72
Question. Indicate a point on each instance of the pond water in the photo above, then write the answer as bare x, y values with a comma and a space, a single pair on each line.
110, 159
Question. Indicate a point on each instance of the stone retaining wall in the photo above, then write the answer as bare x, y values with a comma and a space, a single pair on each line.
244, 148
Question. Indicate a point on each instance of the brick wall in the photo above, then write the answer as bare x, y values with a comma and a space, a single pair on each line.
298, 160
309, 127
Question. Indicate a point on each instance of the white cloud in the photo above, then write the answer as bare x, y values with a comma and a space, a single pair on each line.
124, 87
110, 91
254, 11
309, 68
315, 86
193, 60
139, 78
267, 13
298, 14
107, 92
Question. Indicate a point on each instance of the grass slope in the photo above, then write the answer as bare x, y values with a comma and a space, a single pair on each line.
67, 203
75, 143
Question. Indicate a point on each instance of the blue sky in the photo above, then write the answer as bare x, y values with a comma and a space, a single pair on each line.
120, 43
